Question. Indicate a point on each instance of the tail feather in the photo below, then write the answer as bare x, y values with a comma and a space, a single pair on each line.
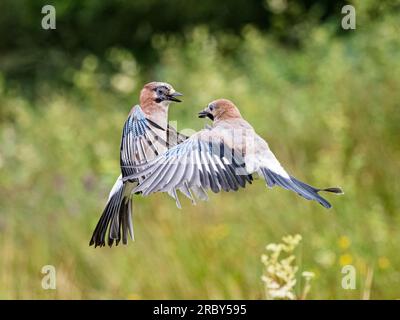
336, 190
116, 218
303, 189
125, 218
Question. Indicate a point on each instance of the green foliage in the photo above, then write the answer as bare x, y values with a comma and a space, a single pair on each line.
93, 26
329, 110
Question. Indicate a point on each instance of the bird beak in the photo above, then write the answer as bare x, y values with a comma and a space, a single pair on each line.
204, 114
172, 96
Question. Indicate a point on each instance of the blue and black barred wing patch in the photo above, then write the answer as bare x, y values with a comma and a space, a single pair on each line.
141, 142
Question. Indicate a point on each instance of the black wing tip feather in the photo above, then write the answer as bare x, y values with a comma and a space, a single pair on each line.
209, 171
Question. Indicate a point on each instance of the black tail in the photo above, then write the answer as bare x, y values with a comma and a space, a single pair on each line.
116, 218
303, 189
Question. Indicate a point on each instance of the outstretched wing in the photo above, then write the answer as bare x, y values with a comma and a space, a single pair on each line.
197, 163
142, 140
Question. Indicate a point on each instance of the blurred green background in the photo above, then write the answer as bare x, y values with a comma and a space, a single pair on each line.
327, 100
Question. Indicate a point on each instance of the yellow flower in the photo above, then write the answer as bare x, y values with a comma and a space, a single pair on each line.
383, 262
345, 259
344, 242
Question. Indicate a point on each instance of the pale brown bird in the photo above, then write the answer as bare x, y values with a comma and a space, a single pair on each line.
146, 134
221, 157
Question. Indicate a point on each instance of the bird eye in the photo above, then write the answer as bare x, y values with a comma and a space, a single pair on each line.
162, 90
211, 107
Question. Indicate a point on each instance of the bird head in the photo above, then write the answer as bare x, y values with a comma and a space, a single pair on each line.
220, 109
160, 93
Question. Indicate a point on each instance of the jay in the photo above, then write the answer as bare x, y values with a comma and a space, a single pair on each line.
224, 156
146, 134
